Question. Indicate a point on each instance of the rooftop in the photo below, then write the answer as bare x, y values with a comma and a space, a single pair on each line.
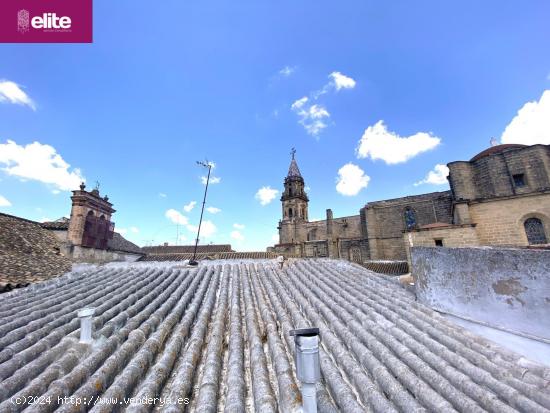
185, 249
232, 255
497, 149
28, 253
293, 170
219, 334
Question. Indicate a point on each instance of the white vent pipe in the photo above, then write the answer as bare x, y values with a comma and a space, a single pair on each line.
85, 316
307, 365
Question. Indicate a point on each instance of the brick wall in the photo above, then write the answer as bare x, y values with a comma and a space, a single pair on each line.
386, 221
501, 222
451, 236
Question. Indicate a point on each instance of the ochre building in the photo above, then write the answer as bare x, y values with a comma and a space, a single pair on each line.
499, 197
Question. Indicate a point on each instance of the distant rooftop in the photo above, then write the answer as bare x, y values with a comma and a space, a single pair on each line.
184, 249
28, 253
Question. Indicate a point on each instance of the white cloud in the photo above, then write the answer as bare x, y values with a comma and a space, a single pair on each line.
190, 206
134, 230
237, 235
379, 143
351, 179
266, 194
287, 71
176, 217
39, 162
162, 195
531, 125
213, 180
437, 176
337, 82
11, 92
207, 229
4, 202
238, 226
341, 81
311, 116
213, 210
56, 191
275, 237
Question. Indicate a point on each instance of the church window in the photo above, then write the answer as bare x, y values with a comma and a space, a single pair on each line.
290, 212
534, 229
410, 218
519, 180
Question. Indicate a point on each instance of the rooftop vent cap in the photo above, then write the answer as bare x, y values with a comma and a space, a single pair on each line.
85, 316
308, 368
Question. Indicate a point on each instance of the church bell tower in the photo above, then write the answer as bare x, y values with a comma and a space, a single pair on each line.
294, 203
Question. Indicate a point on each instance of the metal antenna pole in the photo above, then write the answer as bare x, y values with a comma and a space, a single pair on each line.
209, 166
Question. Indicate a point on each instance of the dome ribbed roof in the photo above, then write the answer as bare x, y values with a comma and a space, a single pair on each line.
497, 149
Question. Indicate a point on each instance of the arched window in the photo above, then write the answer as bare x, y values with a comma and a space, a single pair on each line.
290, 212
534, 229
410, 218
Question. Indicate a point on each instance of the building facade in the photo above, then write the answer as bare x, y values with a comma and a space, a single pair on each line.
499, 197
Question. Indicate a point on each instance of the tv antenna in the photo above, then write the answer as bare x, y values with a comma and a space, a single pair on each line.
204, 164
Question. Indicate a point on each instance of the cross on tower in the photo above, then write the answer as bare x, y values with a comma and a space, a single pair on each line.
97, 185
292, 152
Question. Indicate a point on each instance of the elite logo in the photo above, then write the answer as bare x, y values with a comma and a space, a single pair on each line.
45, 21
52, 21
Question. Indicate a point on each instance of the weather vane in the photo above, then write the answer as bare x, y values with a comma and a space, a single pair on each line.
292, 152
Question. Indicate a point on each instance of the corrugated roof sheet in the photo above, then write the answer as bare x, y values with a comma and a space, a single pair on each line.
219, 335
28, 253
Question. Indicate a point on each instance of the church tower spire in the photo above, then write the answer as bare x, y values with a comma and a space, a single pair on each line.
294, 199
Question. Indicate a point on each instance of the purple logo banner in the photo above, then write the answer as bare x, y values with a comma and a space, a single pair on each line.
46, 21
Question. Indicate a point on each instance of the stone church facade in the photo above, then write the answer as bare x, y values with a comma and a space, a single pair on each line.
499, 197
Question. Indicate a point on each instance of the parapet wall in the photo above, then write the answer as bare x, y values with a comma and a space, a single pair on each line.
503, 287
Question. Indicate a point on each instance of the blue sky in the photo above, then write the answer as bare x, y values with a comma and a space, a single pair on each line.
393, 89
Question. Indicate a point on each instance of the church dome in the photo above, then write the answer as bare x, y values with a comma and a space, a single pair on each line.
497, 149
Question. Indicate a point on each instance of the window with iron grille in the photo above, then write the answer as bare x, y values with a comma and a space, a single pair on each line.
534, 229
